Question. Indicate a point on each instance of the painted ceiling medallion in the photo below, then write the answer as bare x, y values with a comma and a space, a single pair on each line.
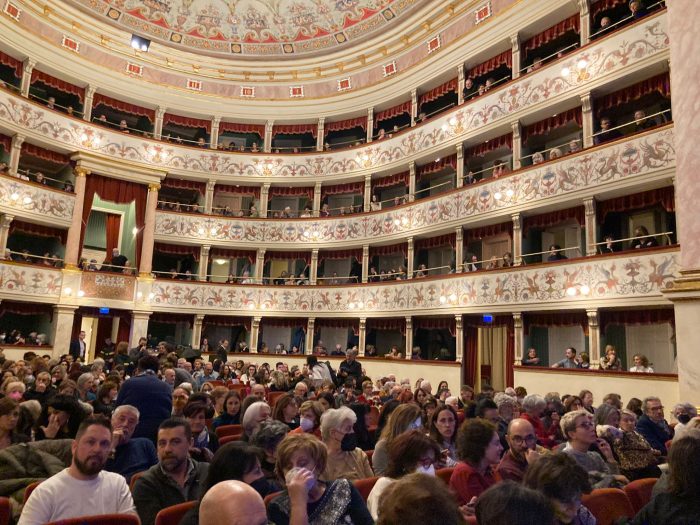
253, 27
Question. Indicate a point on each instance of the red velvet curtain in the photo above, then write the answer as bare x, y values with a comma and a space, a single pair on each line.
387, 324
225, 320
223, 253
177, 249
113, 222
389, 113
44, 154
435, 242
636, 317
338, 189
434, 167
552, 33
438, 91
186, 122
7, 60
125, 107
492, 64
604, 5
391, 180
284, 322
471, 349
388, 250
555, 319
104, 330
288, 256
561, 119
555, 217
252, 191
120, 192
660, 83
293, 191
295, 129
471, 326
184, 184
6, 143
341, 125
646, 199
504, 141
56, 83
338, 255
239, 127
435, 323
38, 229
19, 308
171, 318
484, 232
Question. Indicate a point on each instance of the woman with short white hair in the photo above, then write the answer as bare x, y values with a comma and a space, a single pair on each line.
345, 460
254, 415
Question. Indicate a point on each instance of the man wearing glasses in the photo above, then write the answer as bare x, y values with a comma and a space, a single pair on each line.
523, 450
653, 426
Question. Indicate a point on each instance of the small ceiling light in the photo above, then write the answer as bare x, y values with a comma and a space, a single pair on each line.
582, 63
571, 291
585, 290
443, 299
81, 293
453, 121
497, 196
139, 43
14, 196
139, 295
453, 297
135, 230
27, 200
509, 193
565, 72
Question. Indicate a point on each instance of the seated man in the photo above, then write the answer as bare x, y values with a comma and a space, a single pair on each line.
129, 455
522, 451
653, 426
84, 488
232, 503
176, 478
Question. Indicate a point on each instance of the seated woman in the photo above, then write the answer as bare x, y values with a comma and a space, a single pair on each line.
60, 417
310, 420
443, 430
345, 459
253, 416
287, 411
205, 443
610, 361
267, 438
410, 452
563, 482
232, 411
641, 364
404, 418
644, 240
479, 449
534, 406
9, 417
301, 460
637, 459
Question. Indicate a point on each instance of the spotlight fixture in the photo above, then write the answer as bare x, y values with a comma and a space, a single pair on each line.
139, 43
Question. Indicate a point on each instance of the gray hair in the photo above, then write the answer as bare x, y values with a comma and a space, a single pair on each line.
333, 418
646, 400
127, 408
250, 418
603, 412
688, 407
532, 402
269, 434
84, 378
502, 399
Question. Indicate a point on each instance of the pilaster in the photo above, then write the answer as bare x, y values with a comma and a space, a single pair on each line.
593, 337
591, 226
519, 337
460, 166
409, 257
259, 265
88, 102
362, 337
203, 262
515, 49
313, 270
27, 69
409, 337
197, 331
370, 124
459, 338
320, 133
459, 249
74, 232
149, 228
587, 114
267, 139
15, 152
367, 193
517, 144
214, 135
365, 262
209, 196
517, 239
158, 124
310, 328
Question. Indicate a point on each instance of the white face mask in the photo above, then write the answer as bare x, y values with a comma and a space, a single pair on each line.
430, 471
306, 424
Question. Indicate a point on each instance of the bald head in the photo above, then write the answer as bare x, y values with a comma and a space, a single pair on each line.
232, 503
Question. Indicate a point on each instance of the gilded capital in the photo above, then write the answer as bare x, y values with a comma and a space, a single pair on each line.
80, 171
153, 187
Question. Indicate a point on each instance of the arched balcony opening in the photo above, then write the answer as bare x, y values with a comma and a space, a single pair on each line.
489, 159
488, 74
342, 199
10, 71
287, 268
553, 137
328, 333
488, 247
436, 177
26, 324
554, 236
223, 329
173, 328
285, 203
552, 43
176, 261
392, 120
610, 15
382, 334
389, 191
437, 100
278, 336
435, 336
181, 195
339, 267
388, 263
231, 266
31, 243
550, 333
236, 201
434, 256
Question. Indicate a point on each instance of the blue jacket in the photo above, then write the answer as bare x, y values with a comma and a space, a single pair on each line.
153, 399
654, 434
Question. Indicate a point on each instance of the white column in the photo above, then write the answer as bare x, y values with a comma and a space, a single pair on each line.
519, 337
593, 337
254, 334
209, 196
368, 192
264, 196
320, 133
517, 239
370, 124
196, 339
214, 135
585, 14
149, 230
139, 327
27, 69
517, 144
5, 223
515, 49
362, 337
88, 102
409, 256
365, 262
317, 199
414, 106
409, 337
310, 327
460, 166
15, 153
412, 182
587, 113
267, 139
61, 328
591, 226
76, 224
203, 262
459, 249
158, 124
459, 338
259, 265
313, 270
460, 84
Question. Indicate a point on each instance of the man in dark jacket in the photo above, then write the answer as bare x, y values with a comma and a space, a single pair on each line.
175, 479
350, 368
653, 426
151, 397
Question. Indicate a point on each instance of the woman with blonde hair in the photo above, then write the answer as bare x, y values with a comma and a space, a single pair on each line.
405, 417
610, 361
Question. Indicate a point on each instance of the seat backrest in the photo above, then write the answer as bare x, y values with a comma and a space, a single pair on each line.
102, 519
272, 398
445, 474
369, 454
365, 486
4, 511
29, 489
639, 492
227, 430
172, 515
228, 439
134, 477
608, 505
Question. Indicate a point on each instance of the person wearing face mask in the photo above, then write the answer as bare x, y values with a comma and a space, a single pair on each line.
9, 417
310, 420
404, 418
15, 390
345, 460
410, 452
267, 438
300, 461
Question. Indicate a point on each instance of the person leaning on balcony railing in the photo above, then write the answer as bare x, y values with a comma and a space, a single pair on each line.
644, 240
606, 134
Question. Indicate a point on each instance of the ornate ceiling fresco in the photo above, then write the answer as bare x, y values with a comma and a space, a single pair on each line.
272, 28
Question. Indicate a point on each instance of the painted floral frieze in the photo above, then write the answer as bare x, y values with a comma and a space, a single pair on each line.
26, 200
27, 280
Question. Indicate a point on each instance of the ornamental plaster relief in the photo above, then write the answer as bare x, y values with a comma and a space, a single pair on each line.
31, 201
641, 156
20, 280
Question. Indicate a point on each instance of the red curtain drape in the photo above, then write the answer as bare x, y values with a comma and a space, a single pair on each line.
341, 125
323, 322
7, 60
660, 84
225, 320
555, 217
124, 328
112, 224
646, 199
392, 249
295, 129
438, 91
171, 318
104, 330
57, 83
491, 64
545, 126
484, 232
186, 122
344, 254
177, 249
435, 242
252, 191
293, 191
120, 192
44, 154
38, 229
391, 180
552, 33
126, 107
555, 319
240, 127
20, 308
504, 141
284, 322
471, 325
604, 5
338, 189
636, 317
435, 323
387, 324
288, 256
223, 253
471, 349
6, 143
389, 113
184, 184
434, 167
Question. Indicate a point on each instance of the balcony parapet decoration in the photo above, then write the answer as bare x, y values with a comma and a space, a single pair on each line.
642, 157
35, 202
610, 59
35, 283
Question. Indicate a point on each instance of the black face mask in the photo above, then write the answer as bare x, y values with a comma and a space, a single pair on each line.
684, 418
349, 442
262, 486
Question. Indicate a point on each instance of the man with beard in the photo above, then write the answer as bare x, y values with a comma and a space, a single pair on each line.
84, 488
176, 478
522, 451
129, 455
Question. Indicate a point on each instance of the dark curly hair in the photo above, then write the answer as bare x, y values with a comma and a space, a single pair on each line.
473, 438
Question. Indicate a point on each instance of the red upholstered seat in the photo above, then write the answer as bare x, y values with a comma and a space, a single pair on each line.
270, 497
4, 511
228, 430
134, 477
445, 474
30, 488
471, 520
102, 519
228, 439
639, 492
272, 397
173, 515
608, 505
369, 454
365, 486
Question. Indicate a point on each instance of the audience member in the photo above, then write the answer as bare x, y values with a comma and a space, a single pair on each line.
509, 503
344, 458
232, 503
522, 451
404, 418
653, 426
129, 455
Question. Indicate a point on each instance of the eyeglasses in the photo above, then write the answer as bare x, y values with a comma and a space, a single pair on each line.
585, 424
519, 440
656, 409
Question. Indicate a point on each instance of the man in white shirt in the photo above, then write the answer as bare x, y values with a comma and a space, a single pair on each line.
84, 488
